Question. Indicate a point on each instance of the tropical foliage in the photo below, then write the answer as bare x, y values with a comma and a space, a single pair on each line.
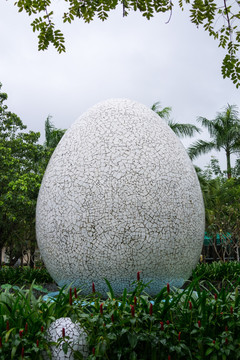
217, 271
24, 275
224, 131
222, 207
199, 322
52, 134
20, 178
22, 164
179, 129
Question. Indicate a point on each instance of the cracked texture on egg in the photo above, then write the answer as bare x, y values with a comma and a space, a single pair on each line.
120, 195
77, 338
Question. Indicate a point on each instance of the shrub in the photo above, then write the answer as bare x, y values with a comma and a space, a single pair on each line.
192, 324
24, 275
199, 322
218, 271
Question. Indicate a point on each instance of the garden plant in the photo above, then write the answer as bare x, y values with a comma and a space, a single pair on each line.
199, 322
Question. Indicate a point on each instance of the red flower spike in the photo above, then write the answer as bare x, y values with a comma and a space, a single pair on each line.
169, 357
215, 296
231, 310
135, 301
93, 351
70, 296
138, 275
112, 318
179, 336
37, 343
226, 328
7, 325
63, 332
151, 309
22, 352
132, 310
190, 305
26, 327
162, 325
21, 333
0, 342
168, 288
226, 341
101, 309
167, 322
214, 341
75, 293
199, 323
93, 288
42, 329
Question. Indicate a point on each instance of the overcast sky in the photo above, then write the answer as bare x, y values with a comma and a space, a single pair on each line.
148, 61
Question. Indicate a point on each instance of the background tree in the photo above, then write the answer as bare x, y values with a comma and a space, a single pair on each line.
225, 133
22, 165
52, 134
179, 129
20, 178
219, 18
222, 208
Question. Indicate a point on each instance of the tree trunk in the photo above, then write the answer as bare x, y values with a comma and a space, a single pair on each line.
229, 170
32, 252
237, 252
2, 243
216, 254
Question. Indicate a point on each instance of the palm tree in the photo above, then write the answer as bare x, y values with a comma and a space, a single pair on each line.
52, 134
225, 133
180, 130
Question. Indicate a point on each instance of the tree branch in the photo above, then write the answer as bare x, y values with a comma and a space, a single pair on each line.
228, 19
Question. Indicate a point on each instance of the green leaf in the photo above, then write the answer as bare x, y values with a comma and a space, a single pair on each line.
124, 298
77, 355
13, 352
110, 288
132, 338
209, 351
133, 356
8, 334
65, 347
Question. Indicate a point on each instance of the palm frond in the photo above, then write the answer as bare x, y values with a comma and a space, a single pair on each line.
49, 127
163, 113
52, 134
209, 124
200, 147
182, 130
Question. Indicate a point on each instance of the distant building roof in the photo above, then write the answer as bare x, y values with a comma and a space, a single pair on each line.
208, 239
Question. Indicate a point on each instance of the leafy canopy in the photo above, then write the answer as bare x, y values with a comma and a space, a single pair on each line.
219, 18
20, 178
22, 164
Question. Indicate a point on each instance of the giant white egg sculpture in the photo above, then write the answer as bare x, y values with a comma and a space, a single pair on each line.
120, 195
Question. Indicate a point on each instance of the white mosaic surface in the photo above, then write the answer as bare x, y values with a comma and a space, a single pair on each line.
77, 339
120, 195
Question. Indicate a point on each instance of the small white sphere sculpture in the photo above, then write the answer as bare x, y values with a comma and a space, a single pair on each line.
77, 339
120, 195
